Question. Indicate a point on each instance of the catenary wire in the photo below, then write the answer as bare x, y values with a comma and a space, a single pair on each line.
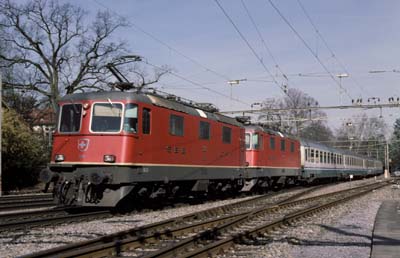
263, 40
309, 48
194, 83
249, 46
179, 53
329, 48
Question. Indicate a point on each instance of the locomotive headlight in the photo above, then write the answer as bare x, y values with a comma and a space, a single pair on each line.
59, 158
109, 158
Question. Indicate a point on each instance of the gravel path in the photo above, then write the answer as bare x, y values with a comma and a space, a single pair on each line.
322, 236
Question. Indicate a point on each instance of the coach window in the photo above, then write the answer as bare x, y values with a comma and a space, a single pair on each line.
312, 155
176, 125
283, 145
306, 150
106, 117
257, 141
204, 130
226, 134
70, 121
321, 158
146, 118
247, 140
272, 143
130, 119
316, 156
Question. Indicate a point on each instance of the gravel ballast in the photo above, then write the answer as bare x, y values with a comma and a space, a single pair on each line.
344, 231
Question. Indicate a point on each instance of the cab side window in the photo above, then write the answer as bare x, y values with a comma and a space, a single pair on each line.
130, 119
146, 118
176, 125
226, 134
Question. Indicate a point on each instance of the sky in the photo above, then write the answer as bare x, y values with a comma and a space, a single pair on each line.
199, 42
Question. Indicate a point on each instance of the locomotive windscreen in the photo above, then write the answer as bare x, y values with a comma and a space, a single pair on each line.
106, 117
70, 121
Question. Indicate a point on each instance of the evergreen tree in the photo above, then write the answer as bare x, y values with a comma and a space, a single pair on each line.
23, 153
395, 146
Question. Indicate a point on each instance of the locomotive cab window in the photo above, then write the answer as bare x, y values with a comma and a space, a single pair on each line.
257, 141
226, 134
130, 119
291, 146
70, 120
146, 118
176, 125
247, 141
106, 117
204, 130
283, 145
272, 143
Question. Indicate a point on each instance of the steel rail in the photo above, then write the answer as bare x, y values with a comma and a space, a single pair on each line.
25, 196
26, 224
29, 205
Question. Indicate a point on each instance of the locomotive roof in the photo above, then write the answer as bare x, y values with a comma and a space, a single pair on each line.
269, 131
153, 99
313, 144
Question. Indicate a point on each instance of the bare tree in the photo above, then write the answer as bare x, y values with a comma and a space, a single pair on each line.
50, 48
317, 131
364, 135
294, 121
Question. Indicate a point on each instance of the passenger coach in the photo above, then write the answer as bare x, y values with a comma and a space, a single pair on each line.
320, 162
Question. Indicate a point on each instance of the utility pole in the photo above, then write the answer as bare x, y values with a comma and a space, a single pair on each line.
387, 160
235, 82
1, 123
341, 90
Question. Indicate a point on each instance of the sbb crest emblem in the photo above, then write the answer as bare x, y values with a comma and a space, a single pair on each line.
83, 144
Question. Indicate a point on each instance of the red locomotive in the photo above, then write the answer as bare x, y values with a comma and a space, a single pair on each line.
273, 159
109, 145
110, 148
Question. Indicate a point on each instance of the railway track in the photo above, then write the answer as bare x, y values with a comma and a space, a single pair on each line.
28, 220
17, 202
154, 237
50, 217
